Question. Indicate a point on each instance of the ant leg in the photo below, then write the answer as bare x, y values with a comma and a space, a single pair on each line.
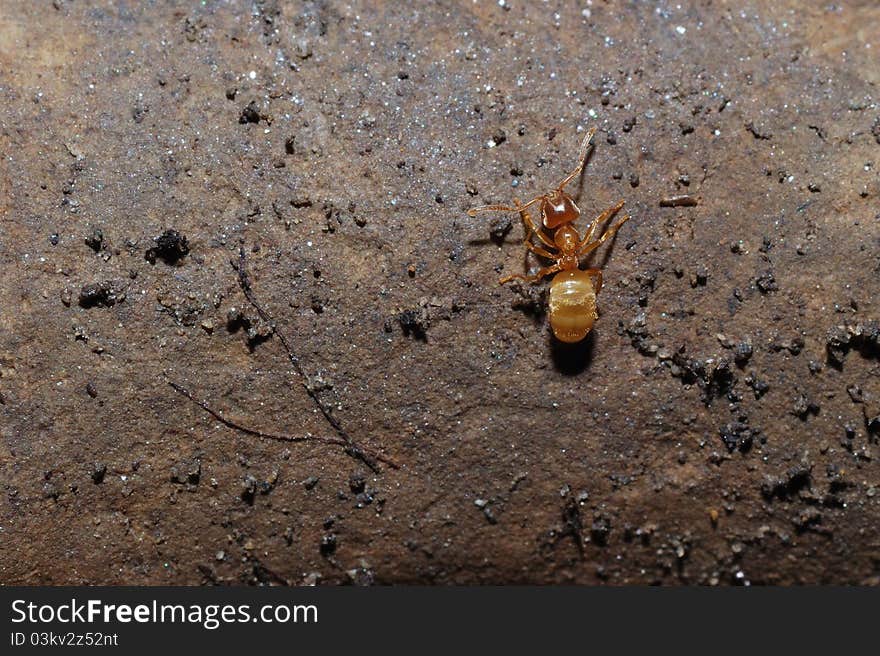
582, 158
501, 208
532, 229
596, 274
608, 235
604, 216
546, 271
537, 250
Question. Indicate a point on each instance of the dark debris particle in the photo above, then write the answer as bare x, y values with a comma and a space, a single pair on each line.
738, 436
171, 246
415, 323
742, 353
328, 544
51, 490
99, 471
715, 378
187, 471
637, 331
720, 381
572, 524
290, 146
794, 345
310, 482
783, 487
139, 112
600, 530
248, 489
91, 390
837, 344
863, 337
357, 482
629, 123
361, 577
531, 300
875, 129
807, 519
95, 239
757, 132
100, 294
266, 486
759, 387
647, 281
700, 277
250, 113
363, 499
855, 393
836, 478
766, 283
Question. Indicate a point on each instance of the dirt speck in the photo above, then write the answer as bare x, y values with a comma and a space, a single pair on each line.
261, 127
171, 246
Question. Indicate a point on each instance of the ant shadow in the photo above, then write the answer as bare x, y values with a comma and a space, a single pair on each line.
572, 359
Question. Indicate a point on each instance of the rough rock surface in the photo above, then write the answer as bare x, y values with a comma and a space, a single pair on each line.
720, 425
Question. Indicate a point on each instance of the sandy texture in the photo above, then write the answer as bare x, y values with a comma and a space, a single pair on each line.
720, 425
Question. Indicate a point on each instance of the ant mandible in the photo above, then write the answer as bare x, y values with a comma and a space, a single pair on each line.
573, 290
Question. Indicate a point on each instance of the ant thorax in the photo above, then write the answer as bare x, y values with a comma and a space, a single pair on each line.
566, 239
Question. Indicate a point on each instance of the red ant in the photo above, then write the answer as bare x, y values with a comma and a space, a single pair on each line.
573, 290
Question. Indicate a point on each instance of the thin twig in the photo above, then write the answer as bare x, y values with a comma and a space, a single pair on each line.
229, 423
351, 447
278, 437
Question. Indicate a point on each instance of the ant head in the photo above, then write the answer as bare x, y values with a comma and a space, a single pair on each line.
558, 208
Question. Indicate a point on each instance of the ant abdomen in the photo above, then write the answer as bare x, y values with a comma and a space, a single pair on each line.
572, 305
